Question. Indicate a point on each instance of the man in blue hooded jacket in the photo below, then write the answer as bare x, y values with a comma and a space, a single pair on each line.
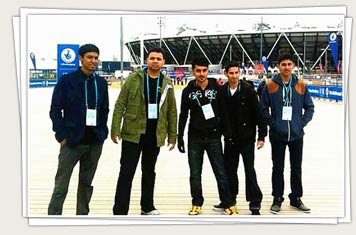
287, 107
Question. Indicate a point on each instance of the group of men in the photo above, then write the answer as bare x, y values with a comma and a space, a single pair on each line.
145, 116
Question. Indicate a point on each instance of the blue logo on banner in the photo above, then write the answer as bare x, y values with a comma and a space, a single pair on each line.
265, 63
67, 59
334, 47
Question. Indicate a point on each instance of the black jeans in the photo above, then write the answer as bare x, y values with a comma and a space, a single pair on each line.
231, 157
196, 148
130, 156
295, 158
88, 157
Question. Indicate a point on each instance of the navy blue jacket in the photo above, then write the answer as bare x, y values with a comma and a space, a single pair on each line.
68, 107
272, 98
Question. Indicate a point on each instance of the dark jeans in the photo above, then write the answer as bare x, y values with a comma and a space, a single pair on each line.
88, 157
231, 158
295, 158
196, 148
130, 156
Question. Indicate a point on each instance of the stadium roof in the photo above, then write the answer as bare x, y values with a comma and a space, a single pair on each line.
308, 46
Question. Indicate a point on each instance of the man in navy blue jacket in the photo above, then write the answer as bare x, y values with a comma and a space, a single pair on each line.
79, 113
287, 107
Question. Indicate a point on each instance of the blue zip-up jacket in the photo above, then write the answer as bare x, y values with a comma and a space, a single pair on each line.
272, 106
68, 107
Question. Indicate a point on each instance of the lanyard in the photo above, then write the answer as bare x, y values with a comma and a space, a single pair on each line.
148, 88
195, 97
287, 91
96, 93
238, 89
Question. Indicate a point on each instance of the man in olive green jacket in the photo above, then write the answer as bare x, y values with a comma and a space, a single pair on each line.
147, 106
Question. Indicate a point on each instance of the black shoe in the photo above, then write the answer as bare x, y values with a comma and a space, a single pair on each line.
218, 207
276, 206
255, 212
298, 204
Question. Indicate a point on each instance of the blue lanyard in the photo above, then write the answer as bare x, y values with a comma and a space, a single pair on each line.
287, 90
96, 93
195, 97
148, 88
238, 88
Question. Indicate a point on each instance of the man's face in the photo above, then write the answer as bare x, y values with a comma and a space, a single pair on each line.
200, 73
286, 67
233, 74
155, 61
89, 61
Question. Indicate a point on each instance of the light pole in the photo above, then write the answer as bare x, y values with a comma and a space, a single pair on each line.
161, 23
298, 70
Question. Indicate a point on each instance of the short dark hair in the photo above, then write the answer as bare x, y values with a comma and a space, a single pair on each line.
201, 61
157, 50
88, 48
229, 65
285, 56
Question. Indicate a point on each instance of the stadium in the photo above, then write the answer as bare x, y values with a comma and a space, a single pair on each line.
262, 44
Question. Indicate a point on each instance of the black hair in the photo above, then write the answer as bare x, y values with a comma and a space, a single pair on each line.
229, 65
285, 56
157, 50
88, 48
201, 61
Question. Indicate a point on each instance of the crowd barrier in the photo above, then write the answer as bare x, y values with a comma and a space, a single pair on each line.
326, 92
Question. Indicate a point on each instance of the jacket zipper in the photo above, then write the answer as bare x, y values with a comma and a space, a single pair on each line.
288, 131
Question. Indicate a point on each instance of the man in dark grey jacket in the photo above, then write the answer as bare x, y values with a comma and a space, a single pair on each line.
244, 114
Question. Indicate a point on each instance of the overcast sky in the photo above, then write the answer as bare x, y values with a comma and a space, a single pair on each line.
46, 31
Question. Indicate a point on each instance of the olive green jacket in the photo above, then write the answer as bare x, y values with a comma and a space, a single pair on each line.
130, 107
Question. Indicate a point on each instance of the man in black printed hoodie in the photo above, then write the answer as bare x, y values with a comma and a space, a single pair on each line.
201, 99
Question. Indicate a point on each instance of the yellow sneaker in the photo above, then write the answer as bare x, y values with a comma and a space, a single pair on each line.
231, 211
195, 210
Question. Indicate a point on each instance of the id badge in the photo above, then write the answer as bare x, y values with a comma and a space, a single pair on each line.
152, 111
91, 117
287, 113
208, 111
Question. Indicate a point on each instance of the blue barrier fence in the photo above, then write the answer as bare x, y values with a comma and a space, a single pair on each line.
323, 92
326, 92
42, 83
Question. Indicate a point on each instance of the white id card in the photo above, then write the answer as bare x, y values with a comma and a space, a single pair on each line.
208, 111
152, 111
287, 113
91, 117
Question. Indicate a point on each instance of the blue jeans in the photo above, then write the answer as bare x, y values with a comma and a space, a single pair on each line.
231, 157
278, 157
213, 147
88, 156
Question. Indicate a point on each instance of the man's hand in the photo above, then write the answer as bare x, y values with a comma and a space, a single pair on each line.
115, 138
171, 146
63, 142
181, 144
260, 144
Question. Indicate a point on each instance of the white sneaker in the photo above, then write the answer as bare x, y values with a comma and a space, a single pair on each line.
152, 212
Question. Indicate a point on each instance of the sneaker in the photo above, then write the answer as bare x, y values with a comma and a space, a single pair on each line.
152, 212
255, 212
231, 211
298, 204
276, 206
195, 210
218, 207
